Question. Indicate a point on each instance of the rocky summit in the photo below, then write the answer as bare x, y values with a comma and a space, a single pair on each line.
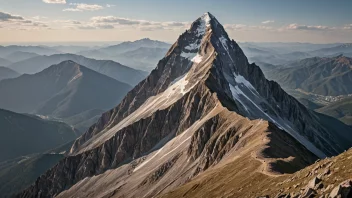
203, 110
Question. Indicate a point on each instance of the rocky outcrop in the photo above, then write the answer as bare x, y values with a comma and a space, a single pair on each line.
343, 190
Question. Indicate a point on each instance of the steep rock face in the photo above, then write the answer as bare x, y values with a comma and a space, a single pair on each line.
188, 116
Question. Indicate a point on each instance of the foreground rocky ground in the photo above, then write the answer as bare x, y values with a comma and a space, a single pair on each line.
331, 177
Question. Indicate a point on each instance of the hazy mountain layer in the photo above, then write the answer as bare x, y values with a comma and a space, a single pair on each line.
109, 68
4, 62
6, 73
323, 76
61, 91
20, 56
23, 135
41, 50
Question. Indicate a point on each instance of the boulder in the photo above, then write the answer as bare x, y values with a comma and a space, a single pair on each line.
343, 190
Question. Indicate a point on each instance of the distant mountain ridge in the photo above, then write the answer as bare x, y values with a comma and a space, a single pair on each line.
23, 135
41, 50
133, 45
20, 56
109, 68
62, 90
141, 54
322, 76
6, 73
340, 49
4, 62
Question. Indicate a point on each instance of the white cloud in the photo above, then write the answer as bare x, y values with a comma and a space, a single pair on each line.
39, 17
10, 21
268, 21
118, 20
295, 26
235, 26
142, 25
84, 7
72, 10
55, 1
348, 27
110, 5
95, 26
87, 27
67, 22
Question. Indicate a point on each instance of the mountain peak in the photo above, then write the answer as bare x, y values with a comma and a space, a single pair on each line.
203, 105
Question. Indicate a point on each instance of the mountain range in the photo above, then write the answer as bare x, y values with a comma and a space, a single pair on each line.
142, 54
7, 73
20, 56
41, 50
322, 76
286, 53
203, 110
61, 91
4, 62
109, 68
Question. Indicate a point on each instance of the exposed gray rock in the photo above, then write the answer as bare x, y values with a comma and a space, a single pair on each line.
343, 190
312, 183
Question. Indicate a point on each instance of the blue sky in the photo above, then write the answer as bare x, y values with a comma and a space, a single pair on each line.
317, 21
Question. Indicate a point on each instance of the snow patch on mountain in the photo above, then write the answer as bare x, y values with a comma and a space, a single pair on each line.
188, 55
204, 24
251, 104
193, 46
197, 59
161, 101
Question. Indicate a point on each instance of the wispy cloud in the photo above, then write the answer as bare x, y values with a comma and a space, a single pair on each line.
268, 21
295, 26
67, 22
55, 1
39, 17
95, 26
348, 27
84, 7
72, 10
11, 21
142, 25
9, 17
243, 27
110, 5
145, 25
235, 26
117, 20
